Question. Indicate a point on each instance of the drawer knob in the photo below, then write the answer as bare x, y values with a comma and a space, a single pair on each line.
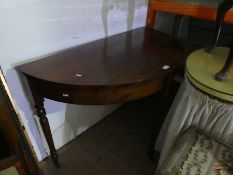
65, 95
78, 75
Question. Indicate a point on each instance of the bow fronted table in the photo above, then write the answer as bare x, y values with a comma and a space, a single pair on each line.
117, 69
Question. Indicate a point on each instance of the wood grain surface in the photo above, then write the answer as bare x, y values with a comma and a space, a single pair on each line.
120, 68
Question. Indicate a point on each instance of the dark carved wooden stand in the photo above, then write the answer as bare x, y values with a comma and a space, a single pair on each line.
224, 7
223, 73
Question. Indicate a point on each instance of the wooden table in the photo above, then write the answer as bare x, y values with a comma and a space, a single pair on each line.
117, 69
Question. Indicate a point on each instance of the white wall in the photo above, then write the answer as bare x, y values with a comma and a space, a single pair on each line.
31, 29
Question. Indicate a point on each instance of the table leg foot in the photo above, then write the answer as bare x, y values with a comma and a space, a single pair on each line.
151, 154
154, 156
54, 156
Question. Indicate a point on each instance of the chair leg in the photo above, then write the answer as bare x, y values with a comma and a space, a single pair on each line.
151, 15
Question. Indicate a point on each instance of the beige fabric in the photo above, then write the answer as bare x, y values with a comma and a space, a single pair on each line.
191, 107
9, 171
198, 153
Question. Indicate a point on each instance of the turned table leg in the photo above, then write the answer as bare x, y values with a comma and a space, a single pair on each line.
41, 113
40, 110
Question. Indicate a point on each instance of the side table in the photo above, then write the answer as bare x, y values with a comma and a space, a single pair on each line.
117, 69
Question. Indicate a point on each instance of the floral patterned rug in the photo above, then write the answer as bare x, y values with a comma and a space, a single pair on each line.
197, 153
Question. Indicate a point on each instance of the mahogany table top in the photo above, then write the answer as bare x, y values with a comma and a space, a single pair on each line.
127, 59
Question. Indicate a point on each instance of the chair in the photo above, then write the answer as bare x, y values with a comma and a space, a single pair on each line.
203, 9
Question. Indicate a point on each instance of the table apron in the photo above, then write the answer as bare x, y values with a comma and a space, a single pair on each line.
95, 95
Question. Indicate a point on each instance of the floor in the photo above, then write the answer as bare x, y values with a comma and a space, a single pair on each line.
118, 145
